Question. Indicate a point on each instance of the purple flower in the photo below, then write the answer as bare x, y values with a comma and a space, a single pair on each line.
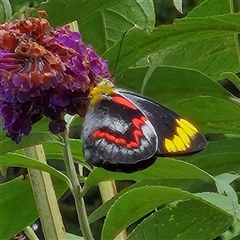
44, 72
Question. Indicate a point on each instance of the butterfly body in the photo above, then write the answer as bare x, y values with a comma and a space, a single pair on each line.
124, 131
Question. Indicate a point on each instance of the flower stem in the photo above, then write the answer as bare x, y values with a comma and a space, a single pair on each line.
76, 189
45, 197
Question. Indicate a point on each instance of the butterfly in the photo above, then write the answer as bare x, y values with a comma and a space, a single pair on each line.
124, 131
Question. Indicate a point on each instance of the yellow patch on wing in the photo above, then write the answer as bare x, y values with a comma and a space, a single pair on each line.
187, 127
185, 138
169, 145
181, 140
105, 87
179, 143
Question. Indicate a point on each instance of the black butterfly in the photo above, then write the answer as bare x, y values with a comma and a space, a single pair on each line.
126, 132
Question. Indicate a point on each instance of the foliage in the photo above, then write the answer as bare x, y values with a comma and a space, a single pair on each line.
180, 66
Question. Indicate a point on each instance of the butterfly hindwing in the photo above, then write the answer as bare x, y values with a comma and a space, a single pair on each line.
118, 136
176, 135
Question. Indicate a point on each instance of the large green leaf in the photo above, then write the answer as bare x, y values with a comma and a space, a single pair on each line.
107, 20
7, 145
139, 43
220, 156
172, 222
168, 83
194, 185
190, 185
213, 56
201, 42
18, 160
210, 8
138, 202
17, 204
163, 168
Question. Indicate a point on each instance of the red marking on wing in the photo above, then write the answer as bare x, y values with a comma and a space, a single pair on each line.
123, 101
137, 135
120, 141
110, 137
137, 122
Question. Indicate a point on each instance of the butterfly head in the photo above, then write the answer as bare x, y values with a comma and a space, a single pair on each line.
102, 90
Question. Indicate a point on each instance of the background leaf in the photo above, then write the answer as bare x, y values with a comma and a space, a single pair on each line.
7, 145
163, 168
139, 43
106, 19
17, 160
182, 225
140, 202
5, 11
220, 156
24, 211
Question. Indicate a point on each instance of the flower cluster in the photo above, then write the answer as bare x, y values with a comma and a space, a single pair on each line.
44, 72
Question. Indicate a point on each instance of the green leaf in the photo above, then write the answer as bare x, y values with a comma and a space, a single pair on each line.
232, 233
139, 43
5, 11
223, 185
208, 56
106, 19
15, 217
19, 5
42, 125
138, 202
210, 8
190, 185
172, 222
166, 81
163, 168
231, 77
178, 5
221, 201
74, 237
17, 160
7, 145
219, 157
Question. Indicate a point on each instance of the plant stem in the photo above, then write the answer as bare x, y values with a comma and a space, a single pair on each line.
108, 190
30, 233
76, 189
45, 197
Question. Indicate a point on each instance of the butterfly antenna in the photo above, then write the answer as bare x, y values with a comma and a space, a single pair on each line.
119, 50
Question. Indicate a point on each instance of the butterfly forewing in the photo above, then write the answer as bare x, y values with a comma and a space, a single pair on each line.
118, 136
176, 135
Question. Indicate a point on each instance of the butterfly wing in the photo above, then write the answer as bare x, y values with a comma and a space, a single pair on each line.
117, 136
176, 135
